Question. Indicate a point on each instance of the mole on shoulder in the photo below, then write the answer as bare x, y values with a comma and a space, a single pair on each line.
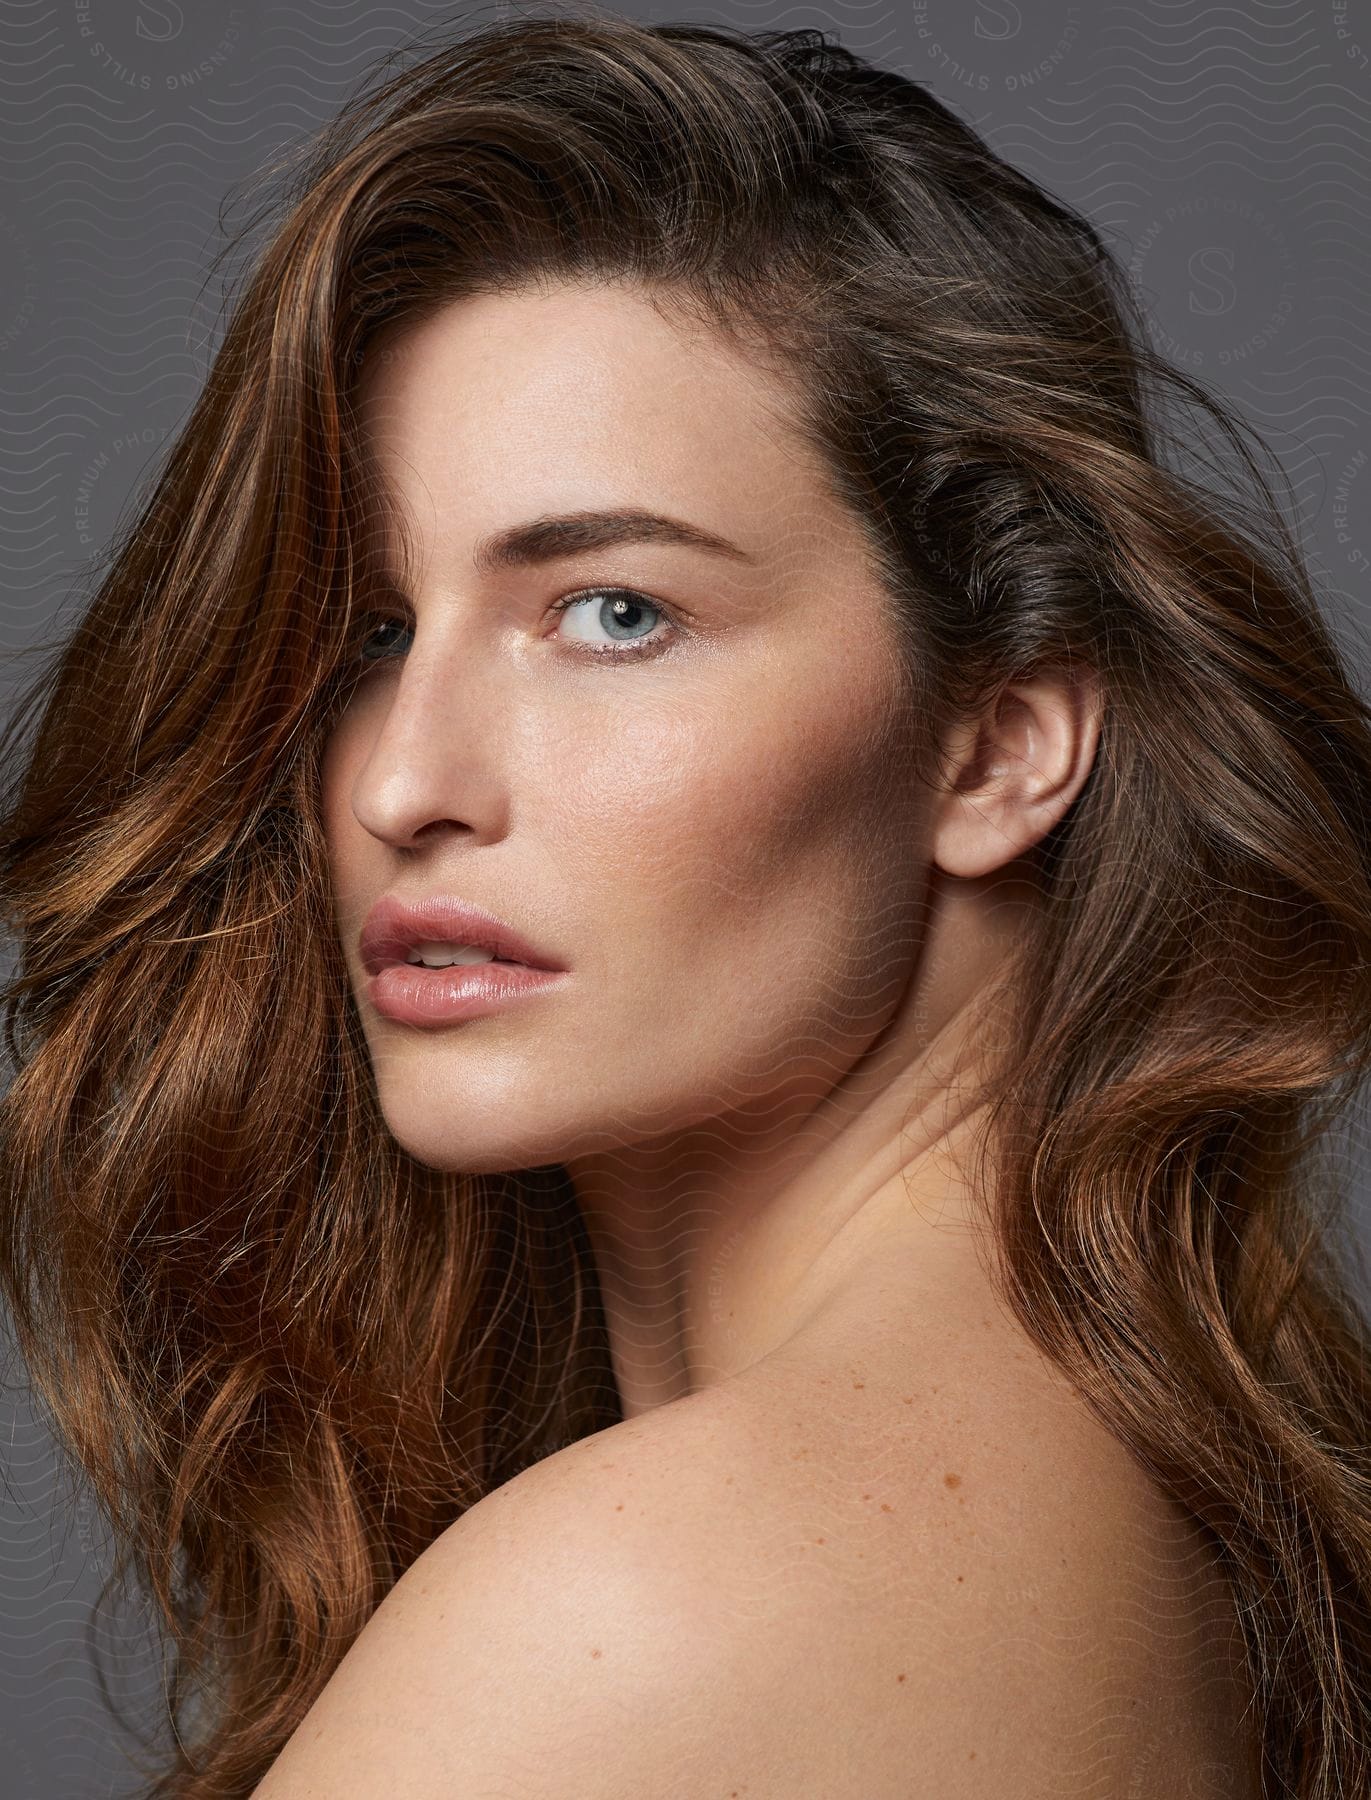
950, 1480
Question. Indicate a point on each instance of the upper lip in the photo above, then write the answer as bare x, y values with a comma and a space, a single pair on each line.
394, 926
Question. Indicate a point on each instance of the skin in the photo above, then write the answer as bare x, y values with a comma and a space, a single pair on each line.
776, 938
782, 951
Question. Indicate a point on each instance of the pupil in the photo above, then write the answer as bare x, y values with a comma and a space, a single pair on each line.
621, 604
371, 649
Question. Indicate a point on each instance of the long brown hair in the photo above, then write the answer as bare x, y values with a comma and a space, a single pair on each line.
285, 1354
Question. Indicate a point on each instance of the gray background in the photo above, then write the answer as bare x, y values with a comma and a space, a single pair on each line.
1223, 148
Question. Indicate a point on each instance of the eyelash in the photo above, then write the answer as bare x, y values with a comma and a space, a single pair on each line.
633, 650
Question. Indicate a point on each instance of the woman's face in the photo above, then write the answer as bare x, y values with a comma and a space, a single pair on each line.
718, 840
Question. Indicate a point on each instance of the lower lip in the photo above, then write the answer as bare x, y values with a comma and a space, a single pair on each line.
418, 996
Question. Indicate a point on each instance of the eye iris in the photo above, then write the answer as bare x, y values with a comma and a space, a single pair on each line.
369, 652
620, 604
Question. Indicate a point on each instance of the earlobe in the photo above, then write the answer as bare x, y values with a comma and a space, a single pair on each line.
1014, 771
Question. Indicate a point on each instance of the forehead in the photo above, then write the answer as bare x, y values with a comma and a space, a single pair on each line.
582, 396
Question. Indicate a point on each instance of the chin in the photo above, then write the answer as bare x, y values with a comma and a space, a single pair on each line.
462, 1135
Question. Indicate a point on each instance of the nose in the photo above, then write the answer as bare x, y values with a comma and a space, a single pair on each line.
437, 745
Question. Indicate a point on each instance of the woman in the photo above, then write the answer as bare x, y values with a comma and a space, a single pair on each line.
851, 1315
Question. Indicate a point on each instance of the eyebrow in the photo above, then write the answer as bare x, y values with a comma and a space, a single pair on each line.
567, 534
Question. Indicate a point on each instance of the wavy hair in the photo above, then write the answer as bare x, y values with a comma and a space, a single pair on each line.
285, 1354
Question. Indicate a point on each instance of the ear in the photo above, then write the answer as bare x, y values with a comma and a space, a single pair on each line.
1013, 771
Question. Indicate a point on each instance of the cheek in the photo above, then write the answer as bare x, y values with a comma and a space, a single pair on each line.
758, 895
746, 839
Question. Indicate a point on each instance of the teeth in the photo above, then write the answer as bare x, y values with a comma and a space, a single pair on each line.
442, 956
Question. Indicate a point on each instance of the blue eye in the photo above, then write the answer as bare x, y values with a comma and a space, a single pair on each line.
620, 610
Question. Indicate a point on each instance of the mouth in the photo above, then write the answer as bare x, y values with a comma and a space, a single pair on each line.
449, 932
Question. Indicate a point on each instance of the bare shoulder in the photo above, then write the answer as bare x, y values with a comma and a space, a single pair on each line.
816, 1580
1013, 1605
565, 1638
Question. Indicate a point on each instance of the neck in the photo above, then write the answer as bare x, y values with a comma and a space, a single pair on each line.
715, 1245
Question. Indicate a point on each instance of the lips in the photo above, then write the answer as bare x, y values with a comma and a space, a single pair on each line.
394, 926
